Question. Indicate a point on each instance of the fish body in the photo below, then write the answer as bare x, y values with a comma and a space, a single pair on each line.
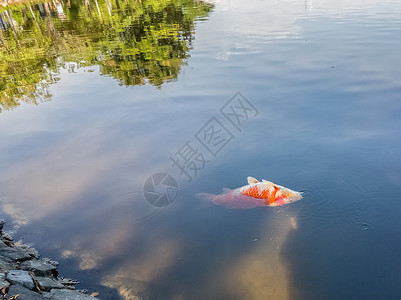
255, 194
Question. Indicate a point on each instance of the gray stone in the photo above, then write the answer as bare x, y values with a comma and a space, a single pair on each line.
67, 295
69, 283
49, 283
31, 251
20, 277
52, 262
14, 254
23, 293
6, 236
3, 245
2, 221
6, 265
39, 267
3, 282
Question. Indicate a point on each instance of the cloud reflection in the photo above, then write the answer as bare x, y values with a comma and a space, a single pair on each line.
261, 273
137, 274
55, 179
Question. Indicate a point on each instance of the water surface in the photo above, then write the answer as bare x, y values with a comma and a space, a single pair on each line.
109, 92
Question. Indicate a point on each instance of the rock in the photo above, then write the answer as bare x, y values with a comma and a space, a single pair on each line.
20, 277
7, 237
19, 263
23, 293
3, 282
52, 262
67, 281
5, 243
2, 245
67, 295
39, 267
49, 283
14, 254
6, 265
31, 251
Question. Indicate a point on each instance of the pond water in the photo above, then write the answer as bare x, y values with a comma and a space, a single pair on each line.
97, 96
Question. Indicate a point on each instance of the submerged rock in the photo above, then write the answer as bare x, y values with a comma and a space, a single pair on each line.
20, 277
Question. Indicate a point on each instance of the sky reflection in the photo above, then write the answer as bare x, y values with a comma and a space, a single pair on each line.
328, 97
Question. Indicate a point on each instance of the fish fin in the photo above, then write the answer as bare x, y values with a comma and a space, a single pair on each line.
269, 182
252, 180
226, 190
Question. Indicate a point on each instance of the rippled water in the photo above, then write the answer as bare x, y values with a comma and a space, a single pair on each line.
116, 102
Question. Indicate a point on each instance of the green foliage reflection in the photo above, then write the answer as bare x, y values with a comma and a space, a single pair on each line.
132, 41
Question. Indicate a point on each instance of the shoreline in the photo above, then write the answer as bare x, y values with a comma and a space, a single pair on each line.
24, 275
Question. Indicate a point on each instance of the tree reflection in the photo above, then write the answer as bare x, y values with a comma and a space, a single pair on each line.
135, 42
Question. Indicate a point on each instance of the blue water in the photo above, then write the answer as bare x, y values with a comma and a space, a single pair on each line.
324, 78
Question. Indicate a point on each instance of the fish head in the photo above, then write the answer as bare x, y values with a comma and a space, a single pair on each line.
284, 196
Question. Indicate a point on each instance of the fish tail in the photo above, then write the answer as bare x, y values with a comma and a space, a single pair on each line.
221, 199
205, 197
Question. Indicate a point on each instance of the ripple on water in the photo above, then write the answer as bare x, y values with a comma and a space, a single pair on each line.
347, 207
136, 206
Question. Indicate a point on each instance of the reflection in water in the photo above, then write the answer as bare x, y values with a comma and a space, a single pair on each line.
136, 276
73, 177
261, 273
72, 168
132, 41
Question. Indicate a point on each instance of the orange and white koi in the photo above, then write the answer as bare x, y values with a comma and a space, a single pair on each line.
255, 194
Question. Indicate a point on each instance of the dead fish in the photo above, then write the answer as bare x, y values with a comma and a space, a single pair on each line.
254, 194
